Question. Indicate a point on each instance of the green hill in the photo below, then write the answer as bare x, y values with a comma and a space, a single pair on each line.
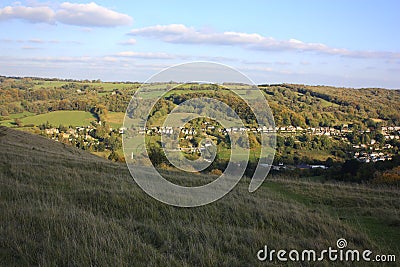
63, 206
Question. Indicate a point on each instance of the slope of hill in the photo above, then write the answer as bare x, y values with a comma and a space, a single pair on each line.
63, 206
302, 105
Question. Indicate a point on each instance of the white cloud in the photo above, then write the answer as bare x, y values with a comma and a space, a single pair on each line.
36, 41
31, 14
110, 59
82, 59
146, 55
39, 41
90, 15
87, 15
27, 47
179, 33
304, 62
131, 41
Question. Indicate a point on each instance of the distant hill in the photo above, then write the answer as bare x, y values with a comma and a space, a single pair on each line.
63, 206
292, 104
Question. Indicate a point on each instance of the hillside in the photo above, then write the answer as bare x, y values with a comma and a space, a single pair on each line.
292, 104
64, 206
314, 124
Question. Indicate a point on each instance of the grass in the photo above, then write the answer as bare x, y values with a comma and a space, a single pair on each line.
63, 206
240, 154
9, 121
49, 84
325, 103
103, 154
21, 115
106, 86
115, 119
368, 209
376, 120
321, 155
74, 118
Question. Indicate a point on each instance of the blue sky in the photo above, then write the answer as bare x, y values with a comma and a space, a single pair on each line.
342, 43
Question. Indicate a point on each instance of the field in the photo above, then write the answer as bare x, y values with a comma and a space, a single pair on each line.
316, 154
64, 117
115, 119
106, 86
21, 115
63, 206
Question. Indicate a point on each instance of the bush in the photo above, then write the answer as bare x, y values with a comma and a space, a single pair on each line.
216, 172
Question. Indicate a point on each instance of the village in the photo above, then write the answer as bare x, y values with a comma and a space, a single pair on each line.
392, 132
85, 137
372, 151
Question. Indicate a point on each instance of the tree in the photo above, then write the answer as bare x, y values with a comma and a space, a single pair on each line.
329, 162
380, 138
114, 156
156, 155
101, 147
62, 128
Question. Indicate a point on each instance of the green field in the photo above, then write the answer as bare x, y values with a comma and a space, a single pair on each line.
106, 86
49, 84
115, 119
321, 155
21, 115
64, 117
9, 120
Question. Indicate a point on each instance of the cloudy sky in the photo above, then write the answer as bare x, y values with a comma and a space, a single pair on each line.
343, 43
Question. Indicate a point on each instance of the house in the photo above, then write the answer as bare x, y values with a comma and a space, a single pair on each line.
51, 131
122, 130
319, 167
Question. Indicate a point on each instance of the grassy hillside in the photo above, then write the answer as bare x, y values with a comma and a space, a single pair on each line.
62, 206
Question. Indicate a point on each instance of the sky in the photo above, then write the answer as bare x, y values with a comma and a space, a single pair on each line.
351, 43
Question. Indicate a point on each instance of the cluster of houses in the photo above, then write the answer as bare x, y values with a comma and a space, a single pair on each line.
365, 152
330, 131
372, 153
391, 132
372, 157
72, 134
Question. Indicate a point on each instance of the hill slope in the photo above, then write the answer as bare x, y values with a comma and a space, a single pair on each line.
62, 206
